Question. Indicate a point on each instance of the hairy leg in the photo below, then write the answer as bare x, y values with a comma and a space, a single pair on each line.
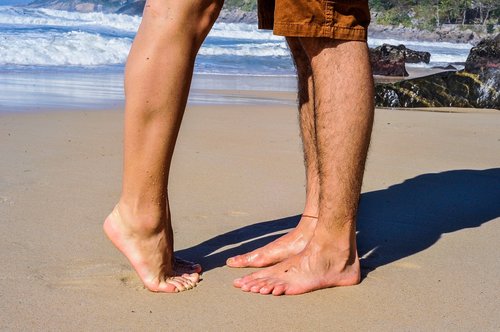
157, 81
343, 87
295, 241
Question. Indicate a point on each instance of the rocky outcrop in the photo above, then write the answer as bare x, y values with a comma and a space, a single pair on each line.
454, 33
449, 67
390, 60
415, 56
484, 56
476, 86
447, 89
134, 8
388, 63
84, 6
484, 61
237, 16
228, 16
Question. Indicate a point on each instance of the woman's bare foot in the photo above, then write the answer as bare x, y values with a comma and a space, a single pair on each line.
286, 246
151, 255
316, 267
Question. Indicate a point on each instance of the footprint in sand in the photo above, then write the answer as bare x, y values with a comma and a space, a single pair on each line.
88, 275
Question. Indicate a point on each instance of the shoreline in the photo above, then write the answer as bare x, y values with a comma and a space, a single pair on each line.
38, 91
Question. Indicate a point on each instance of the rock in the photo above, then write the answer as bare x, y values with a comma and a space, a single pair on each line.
446, 89
388, 61
388, 67
476, 86
77, 5
134, 8
484, 61
454, 33
237, 16
416, 56
484, 56
449, 67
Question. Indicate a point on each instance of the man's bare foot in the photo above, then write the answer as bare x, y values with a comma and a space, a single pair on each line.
150, 254
316, 267
280, 249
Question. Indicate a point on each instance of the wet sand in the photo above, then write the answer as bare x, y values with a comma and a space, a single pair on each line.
429, 223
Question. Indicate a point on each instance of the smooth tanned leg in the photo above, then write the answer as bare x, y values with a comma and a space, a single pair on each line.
157, 81
295, 241
343, 87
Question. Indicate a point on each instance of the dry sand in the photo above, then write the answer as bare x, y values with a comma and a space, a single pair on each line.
428, 225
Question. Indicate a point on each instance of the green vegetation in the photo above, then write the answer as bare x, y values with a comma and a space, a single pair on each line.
423, 14
246, 5
429, 14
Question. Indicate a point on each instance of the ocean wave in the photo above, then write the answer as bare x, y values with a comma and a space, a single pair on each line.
45, 37
59, 18
449, 58
55, 18
63, 49
79, 48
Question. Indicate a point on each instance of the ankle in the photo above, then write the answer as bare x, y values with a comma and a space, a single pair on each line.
144, 218
342, 249
307, 224
311, 210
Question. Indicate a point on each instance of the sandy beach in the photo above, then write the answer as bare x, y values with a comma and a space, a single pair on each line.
429, 223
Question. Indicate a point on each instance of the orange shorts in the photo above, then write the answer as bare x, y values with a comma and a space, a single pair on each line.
344, 19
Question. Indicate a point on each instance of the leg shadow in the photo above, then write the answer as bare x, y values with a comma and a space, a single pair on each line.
410, 217
393, 223
246, 239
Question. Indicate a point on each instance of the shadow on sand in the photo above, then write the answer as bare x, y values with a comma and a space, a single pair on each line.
393, 223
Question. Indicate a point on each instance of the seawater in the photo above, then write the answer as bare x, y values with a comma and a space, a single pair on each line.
50, 38
54, 58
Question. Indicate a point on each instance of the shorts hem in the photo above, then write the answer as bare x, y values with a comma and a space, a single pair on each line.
313, 30
265, 25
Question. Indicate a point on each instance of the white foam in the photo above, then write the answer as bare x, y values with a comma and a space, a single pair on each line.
422, 44
58, 18
44, 37
449, 58
63, 49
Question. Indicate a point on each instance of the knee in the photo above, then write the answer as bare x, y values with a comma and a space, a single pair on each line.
193, 18
206, 14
